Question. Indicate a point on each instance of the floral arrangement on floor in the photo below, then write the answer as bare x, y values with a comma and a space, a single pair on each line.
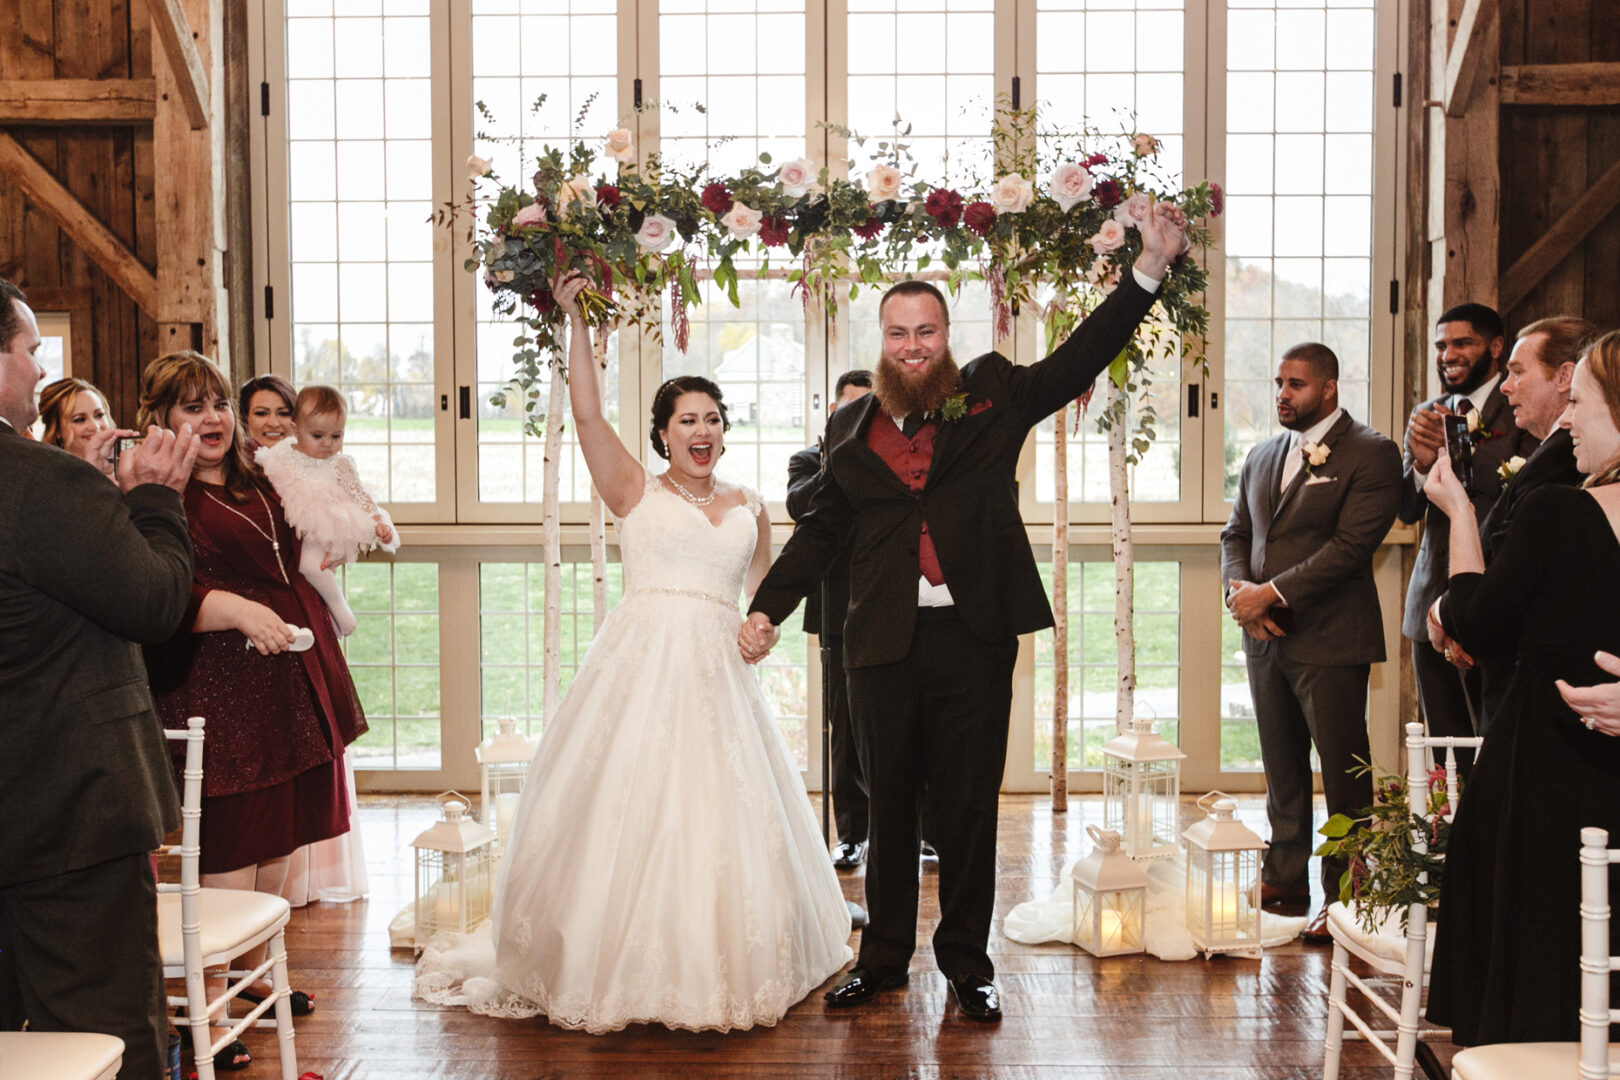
1388, 872
1055, 213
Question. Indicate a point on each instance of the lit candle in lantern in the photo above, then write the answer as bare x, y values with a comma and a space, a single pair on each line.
1113, 932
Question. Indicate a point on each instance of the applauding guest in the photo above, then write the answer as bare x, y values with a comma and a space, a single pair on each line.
1509, 927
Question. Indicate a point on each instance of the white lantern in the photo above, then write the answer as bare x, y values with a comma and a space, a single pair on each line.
1110, 898
455, 873
1142, 791
503, 766
1223, 881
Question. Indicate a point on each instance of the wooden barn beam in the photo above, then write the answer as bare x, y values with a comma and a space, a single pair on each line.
81, 226
77, 101
1467, 53
1564, 237
1564, 85
180, 45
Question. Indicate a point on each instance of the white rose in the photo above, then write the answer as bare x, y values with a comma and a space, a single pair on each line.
1134, 210
1108, 238
656, 233
1011, 194
796, 176
1510, 468
477, 167
883, 182
619, 147
1316, 453
742, 221
1070, 186
1144, 145
1473, 422
533, 214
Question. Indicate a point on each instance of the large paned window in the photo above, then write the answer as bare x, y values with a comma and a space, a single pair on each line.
375, 106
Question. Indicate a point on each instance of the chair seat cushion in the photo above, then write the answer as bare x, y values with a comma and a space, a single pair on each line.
1386, 947
229, 918
1519, 1061
55, 1055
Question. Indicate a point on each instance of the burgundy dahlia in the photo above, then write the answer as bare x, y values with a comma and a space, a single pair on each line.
1107, 193
607, 197
716, 199
773, 231
980, 217
945, 207
870, 230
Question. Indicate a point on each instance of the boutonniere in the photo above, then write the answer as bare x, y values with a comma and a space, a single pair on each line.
1510, 468
950, 410
1477, 431
1315, 454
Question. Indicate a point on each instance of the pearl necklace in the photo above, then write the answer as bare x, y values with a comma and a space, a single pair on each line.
275, 545
707, 500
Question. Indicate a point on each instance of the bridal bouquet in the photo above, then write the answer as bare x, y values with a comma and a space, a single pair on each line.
1061, 207
1387, 872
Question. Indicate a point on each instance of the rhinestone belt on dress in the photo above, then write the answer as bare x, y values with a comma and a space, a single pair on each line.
692, 594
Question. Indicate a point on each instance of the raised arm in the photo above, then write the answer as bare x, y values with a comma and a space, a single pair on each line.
614, 469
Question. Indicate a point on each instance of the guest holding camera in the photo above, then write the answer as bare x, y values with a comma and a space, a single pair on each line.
1509, 929
280, 709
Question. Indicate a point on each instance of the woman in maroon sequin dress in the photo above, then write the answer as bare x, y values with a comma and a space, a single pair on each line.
277, 720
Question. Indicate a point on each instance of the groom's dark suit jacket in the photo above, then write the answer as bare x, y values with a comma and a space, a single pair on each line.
970, 500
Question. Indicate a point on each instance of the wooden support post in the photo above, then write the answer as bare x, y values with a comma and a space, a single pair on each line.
1566, 86
189, 193
1564, 237
1470, 54
1470, 196
81, 226
59, 102
180, 47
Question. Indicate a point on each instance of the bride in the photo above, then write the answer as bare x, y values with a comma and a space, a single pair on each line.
664, 865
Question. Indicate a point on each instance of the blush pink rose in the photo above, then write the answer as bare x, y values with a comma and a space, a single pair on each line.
1109, 238
1070, 186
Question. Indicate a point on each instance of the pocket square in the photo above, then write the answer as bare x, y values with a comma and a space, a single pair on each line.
979, 407
1319, 480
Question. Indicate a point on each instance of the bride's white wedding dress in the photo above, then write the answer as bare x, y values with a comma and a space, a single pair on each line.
664, 866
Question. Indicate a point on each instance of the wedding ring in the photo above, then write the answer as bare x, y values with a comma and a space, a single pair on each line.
1591, 723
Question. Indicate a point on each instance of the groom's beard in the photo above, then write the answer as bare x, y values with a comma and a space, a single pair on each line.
902, 392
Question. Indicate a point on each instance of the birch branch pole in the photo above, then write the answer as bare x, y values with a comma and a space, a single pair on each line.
598, 519
553, 541
1060, 608
1124, 551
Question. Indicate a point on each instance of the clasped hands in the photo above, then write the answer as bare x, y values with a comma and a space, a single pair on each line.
1251, 605
756, 637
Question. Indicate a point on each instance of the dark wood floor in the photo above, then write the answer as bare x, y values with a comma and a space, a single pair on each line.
1067, 1015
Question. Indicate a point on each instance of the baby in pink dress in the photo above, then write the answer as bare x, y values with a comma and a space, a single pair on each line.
323, 498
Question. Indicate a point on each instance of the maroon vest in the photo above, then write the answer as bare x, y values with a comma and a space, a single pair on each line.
910, 459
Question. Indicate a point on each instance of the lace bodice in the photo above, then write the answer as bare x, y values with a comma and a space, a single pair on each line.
669, 546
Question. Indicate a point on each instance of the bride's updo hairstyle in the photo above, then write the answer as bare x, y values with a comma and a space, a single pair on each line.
663, 406
179, 377
1602, 359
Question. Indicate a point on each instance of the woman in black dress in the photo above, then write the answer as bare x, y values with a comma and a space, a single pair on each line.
1508, 933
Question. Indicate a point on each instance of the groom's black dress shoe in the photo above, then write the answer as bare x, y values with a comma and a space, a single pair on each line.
860, 985
976, 997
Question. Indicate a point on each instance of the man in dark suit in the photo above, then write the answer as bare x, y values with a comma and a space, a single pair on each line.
86, 790
920, 485
1468, 351
1312, 506
824, 616
1539, 373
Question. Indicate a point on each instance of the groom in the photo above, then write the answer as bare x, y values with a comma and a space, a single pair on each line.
919, 480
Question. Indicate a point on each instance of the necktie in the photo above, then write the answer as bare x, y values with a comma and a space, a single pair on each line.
1294, 461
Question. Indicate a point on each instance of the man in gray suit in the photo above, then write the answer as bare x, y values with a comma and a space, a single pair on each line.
86, 789
1312, 507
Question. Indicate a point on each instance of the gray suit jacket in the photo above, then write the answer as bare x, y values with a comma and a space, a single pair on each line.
1316, 541
85, 572
1432, 569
